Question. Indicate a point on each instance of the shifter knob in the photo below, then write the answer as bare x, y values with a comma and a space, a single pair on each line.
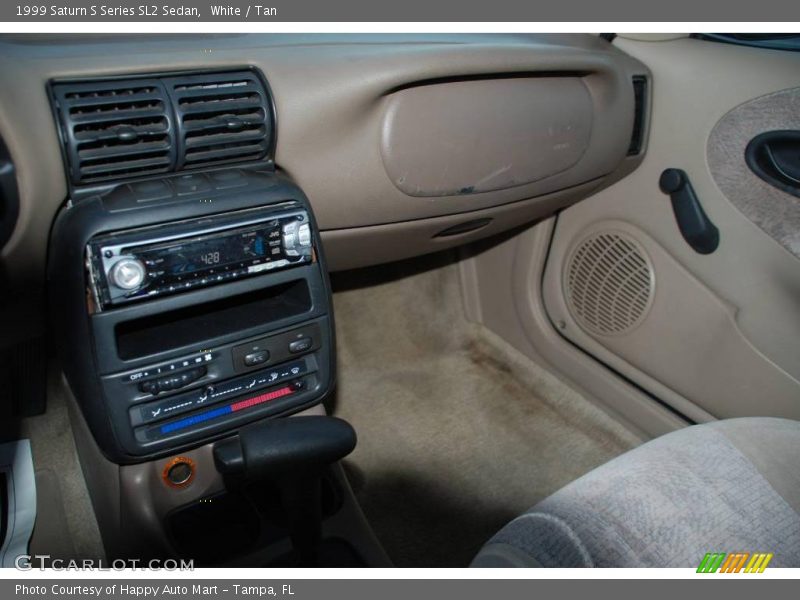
290, 446
293, 452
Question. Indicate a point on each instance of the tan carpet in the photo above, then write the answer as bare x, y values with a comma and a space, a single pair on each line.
458, 432
65, 523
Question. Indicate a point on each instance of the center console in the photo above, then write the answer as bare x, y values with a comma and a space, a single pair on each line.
184, 319
191, 309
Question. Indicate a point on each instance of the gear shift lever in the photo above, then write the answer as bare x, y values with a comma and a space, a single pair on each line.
292, 452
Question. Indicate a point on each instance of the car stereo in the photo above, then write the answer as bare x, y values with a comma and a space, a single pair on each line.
167, 259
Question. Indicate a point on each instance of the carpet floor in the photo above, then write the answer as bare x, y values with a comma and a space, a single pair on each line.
458, 432
65, 523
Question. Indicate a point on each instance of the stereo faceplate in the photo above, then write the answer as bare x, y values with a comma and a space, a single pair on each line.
140, 264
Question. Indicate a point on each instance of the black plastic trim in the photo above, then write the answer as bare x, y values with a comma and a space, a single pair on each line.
9, 195
640, 92
60, 92
291, 446
80, 191
86, 342
695, 226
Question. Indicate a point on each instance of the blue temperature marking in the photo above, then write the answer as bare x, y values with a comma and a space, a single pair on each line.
194, 420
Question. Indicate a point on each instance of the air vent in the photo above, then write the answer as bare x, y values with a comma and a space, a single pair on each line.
639, 113
221, 118
115, 129
608, 282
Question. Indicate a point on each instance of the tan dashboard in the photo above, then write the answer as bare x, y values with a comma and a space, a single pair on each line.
403, 143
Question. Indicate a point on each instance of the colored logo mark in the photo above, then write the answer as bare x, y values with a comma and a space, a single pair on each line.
738, 562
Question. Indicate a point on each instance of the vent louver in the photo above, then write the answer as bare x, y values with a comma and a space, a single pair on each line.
126, 128
608, 283
116, 129
639, 114
221, 118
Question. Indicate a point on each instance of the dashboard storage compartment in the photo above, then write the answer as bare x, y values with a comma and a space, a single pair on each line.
469, 137
193, 324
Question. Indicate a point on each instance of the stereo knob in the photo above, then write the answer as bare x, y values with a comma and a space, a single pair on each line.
297, 238
128, 274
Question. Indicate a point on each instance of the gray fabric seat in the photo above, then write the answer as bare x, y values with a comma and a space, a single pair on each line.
728, 486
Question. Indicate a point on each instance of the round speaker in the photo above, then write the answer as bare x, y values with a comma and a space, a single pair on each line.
608, 283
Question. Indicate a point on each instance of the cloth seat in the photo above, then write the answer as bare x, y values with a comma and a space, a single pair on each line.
727, 486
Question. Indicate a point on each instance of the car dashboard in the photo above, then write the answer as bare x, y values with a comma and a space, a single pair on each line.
182, 201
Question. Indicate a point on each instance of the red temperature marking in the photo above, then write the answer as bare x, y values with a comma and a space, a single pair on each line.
250, 402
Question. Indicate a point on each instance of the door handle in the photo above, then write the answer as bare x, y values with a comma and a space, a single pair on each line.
775, 157
695, 226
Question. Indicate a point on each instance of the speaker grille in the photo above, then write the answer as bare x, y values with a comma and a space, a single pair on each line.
608, 283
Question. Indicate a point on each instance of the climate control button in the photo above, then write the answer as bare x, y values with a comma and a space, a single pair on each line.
256, 358
172, 382
301, 345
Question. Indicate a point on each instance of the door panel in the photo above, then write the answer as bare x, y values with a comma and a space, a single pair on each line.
714, 335
776, 211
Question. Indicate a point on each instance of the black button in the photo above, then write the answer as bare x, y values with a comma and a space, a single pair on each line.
172, 382
256, 358
193, 375
150, 387
300, 345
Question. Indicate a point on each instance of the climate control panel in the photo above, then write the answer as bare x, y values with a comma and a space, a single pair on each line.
202, 391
